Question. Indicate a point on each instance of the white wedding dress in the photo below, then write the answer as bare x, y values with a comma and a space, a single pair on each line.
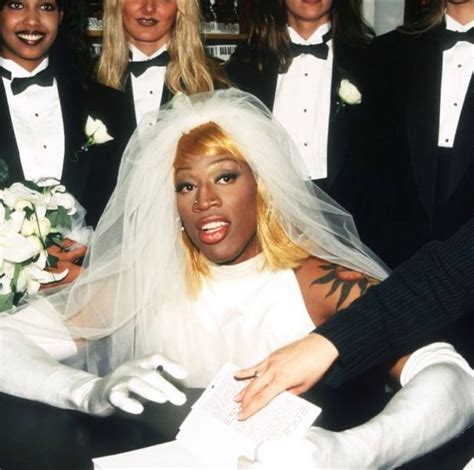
243, 313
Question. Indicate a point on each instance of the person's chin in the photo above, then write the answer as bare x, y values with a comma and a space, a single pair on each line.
220, 256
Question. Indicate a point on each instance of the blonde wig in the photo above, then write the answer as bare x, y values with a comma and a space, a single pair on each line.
189, 71
278, 250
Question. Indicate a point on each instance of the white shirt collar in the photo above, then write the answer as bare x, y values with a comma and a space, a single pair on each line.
18, 71
315, 38
139, 56
454, 25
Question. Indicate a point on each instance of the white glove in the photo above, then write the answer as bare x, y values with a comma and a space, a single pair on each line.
29, 372
436, 405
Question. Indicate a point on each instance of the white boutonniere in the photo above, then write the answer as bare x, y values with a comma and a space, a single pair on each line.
96, 132
348, 94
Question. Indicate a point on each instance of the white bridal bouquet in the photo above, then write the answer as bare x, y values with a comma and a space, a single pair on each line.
33, 217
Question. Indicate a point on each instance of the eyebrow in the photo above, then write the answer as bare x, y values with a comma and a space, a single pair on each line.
214, 163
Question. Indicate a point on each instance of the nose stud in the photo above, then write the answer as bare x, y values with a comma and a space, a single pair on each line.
195, 202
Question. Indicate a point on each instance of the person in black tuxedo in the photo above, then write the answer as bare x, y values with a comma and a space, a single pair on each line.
424, 173
152, 50
43, 107
295, 60
425, 116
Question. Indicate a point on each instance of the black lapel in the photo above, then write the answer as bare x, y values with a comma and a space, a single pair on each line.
131, 116
166, 95
266, 83
464, 141
423, 88
76, 163
8, 146
339, 116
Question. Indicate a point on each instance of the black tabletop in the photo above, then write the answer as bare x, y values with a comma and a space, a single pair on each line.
36, 436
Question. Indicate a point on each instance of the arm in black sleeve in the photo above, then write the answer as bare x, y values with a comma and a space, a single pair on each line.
432, 289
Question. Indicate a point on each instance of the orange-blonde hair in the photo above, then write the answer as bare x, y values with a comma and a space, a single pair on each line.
278, 250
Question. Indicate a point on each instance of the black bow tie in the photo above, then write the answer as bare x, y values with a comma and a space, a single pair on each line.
138, 68
20, 84
450, 38
320, 50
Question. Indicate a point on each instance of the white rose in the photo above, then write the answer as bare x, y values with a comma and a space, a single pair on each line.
18, 192
28, 228
349, 93
20, 205
96, 131
16, 249
60, 198
42, 227
33, 275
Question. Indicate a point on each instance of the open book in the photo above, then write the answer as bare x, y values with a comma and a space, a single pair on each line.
212, 436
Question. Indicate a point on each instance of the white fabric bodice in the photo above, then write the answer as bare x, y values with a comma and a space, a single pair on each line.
241, 315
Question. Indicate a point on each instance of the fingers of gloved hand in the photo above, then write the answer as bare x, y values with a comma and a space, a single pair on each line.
152, 387
158, 361
158, 383
120, 399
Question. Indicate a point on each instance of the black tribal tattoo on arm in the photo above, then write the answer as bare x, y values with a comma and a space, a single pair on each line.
342, 281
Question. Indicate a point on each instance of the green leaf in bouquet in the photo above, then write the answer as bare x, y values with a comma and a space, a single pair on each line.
6, 301
59, 218
29, 211
16, 274
4, 171
52, 261
54, 238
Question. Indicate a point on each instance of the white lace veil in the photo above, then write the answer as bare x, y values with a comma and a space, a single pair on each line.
136, 259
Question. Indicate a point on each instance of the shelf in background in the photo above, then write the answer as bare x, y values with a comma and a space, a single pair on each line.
96, 33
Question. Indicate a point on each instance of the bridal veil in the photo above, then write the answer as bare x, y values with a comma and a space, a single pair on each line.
136, 261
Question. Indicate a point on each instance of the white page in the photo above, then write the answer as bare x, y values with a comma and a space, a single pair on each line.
212, 437
212, 425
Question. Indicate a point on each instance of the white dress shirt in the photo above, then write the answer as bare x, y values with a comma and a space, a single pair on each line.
303, 102
148, 87
458, 67
38, 124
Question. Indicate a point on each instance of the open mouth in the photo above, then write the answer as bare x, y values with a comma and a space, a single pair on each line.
213, 232
214, 226
147, 22
31, 38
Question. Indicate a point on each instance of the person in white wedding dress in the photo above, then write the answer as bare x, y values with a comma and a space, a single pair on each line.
214, 248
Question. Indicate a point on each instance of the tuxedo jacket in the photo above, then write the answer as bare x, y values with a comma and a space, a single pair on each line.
407, 84
347, 127
78, 101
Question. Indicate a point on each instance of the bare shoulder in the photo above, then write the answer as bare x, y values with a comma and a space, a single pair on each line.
327, 287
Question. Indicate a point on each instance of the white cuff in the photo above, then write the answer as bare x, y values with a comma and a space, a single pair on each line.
435, 353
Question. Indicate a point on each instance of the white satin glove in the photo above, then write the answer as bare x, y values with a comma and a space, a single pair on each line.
436, 405
29, 372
